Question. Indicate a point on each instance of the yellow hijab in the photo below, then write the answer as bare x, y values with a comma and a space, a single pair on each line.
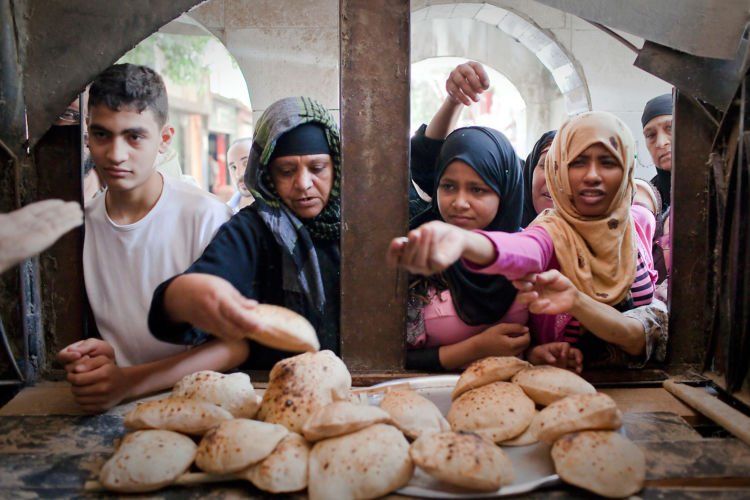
598, 254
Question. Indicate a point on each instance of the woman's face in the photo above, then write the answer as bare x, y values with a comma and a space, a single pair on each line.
464, 199
539, 193
303, 182
658, 134
595, 177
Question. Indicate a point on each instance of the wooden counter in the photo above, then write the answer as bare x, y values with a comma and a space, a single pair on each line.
49, 449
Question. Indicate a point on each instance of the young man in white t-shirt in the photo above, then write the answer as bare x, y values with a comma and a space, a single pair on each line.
145, 228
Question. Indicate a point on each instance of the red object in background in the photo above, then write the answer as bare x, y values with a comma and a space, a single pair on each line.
221, 159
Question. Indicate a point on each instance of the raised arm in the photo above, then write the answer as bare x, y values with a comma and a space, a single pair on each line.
464, 85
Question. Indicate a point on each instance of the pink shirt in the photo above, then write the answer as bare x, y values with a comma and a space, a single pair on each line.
532, 251
443, 326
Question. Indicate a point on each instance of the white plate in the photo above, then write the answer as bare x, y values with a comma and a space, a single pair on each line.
532, 464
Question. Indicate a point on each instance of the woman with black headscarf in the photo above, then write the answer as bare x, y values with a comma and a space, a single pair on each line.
283, 249
459, 316
536, 195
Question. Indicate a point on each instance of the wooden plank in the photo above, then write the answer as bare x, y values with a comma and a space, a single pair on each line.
648, 400
706, 458
658, 426
375, 147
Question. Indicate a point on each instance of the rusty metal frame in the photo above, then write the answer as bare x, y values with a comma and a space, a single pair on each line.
375, 46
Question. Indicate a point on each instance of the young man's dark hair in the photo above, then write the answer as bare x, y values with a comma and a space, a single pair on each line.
131, 86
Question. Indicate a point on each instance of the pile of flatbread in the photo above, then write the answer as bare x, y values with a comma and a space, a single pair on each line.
309, 432
495, 402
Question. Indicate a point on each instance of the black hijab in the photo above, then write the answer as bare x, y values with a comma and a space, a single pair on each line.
529, 212
481, 299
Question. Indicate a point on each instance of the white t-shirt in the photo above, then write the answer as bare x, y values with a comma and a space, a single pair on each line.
123, 264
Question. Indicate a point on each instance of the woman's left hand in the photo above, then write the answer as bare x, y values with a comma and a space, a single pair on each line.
549, 292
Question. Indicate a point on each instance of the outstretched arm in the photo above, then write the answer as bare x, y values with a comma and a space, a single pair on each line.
551, 292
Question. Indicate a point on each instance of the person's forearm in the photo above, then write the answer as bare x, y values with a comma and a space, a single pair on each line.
445, 119
459, 354
216, 355
478, 249
609, 324
176, 300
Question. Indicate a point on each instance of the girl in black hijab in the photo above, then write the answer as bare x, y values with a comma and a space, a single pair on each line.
536, 197
459, 316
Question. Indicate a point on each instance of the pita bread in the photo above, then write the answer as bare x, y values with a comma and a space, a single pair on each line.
546, 384
413, 414
178, 414
600, 461
284, 470
284, 329
300, 385
365, 464
237, 444
498, 411
484, 371
577, 413
463, 459
147, 461
233, 392
342, 417
527, 437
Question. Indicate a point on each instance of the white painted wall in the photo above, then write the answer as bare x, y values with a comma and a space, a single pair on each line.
283, 47
614, 84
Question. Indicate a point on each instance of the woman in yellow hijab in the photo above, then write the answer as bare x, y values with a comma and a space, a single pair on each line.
593, 236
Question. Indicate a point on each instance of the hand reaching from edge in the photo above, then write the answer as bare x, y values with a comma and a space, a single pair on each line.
30, 230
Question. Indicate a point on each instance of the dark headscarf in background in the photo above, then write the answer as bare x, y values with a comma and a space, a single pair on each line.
660, 106
482, 299
529, 212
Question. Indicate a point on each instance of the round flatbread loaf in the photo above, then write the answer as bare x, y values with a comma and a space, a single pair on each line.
413, 414
365, 464
233, 392
284, 329
463, 459
236, 444
600, 461
486, 370
498, 411
579, 412
546, 384
300, 385
178, 414
284, 470
342, 417
147, 461
527, 437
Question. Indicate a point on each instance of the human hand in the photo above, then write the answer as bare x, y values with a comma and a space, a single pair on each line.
29, 230
211, 304
466, 83
102, 386
549, 292
503, 339
429, 249
85, 350
560, 354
